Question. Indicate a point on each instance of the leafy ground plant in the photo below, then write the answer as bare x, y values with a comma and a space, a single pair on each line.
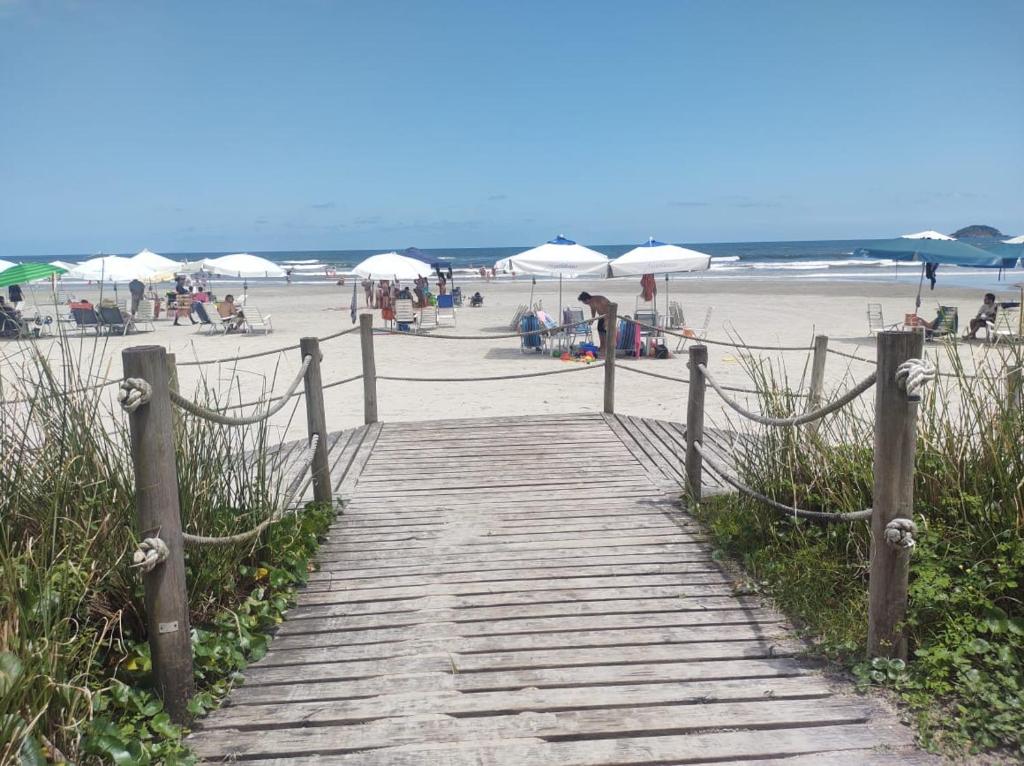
74, 662
964, 681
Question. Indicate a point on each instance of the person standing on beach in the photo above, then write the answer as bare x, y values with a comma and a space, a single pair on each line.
368, 293
137, 290
598, 306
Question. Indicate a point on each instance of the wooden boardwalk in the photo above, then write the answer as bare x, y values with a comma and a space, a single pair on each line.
527, 591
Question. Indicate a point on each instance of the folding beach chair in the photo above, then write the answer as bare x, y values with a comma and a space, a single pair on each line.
446, 311
1006, 326
86, 318
209, 320
627, 338
145, 315
580, 328
257, 322
876, 323
405, 316
428, 318
534, 341
514, 324
649, 318
676, 319
113, 319
694, 333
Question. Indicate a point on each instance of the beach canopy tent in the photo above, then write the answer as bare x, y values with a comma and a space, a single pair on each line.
1010, 251
242, 266
931, 249
24, 273
559, 257
391, 266
161, 268
654, 257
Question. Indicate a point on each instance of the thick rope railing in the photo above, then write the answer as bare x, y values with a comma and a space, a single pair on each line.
410, 379
795, 420
829, 518
284, 509
72, 392
296, 393
695, 339
219, 417
440, 336
848, 355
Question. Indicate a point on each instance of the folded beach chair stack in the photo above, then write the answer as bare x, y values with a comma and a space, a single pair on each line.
534, 342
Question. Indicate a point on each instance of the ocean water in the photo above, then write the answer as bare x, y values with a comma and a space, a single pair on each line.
830, 260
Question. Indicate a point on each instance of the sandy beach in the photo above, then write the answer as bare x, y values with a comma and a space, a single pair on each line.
785, 312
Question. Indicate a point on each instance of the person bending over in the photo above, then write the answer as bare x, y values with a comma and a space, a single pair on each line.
598, 305
986, 314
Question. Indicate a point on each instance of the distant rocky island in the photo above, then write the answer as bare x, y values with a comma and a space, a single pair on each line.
977, 230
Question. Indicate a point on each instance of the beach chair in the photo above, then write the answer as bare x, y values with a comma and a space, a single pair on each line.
650, 318
580, 328
514, 324
1006, 326
457, 295
676, 320
209, 320
112, 319
876, 323
554, 337
533, 342
145, 315
627, 338
446, 311
697, 333
947, 323
255, 321
86, 318
428, 318
405, 316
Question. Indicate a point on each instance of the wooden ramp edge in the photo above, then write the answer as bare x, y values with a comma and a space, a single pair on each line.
527, 591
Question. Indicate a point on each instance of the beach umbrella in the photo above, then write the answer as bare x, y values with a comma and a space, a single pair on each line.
110, 269
242, 266
559, 257
654, 257
391, 266
931, 248
6, 264
66, 265
161, 268
27, 272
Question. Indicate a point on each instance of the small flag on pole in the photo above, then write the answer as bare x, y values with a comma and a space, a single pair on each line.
352, 307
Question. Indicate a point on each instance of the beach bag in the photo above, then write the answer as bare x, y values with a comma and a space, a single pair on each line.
660, 351
387, 313
529, 323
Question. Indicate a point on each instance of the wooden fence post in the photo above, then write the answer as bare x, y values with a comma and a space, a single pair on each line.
316, 420
369, 369
159, 515
817, 379
695, 422
895, 440
611, 326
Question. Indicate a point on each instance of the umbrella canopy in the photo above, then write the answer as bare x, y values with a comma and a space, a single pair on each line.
391, 266
433, 261
933, 248
110, 269
66, 265
1015, 241
654, 257
556, 258
6, 264
242, 265
27, 272
160, 266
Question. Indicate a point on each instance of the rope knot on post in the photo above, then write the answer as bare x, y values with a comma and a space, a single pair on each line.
134, 393
151, 552
912, 375
899, 534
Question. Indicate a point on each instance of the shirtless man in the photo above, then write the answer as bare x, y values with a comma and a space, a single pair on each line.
598, 305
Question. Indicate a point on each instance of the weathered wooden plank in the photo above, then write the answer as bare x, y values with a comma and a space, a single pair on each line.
756, 675
321, 734
443, 659
622, 751
565, 630
474, 532
652, 447
351, 477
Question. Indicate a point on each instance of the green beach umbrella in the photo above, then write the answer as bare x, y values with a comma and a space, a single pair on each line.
27, 272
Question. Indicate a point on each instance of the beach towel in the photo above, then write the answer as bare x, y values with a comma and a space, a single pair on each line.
648, 287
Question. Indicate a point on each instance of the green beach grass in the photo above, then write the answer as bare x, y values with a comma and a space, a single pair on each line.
74, 662
964, 682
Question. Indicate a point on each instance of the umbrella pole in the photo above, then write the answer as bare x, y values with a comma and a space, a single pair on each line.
533, 283
665, 320
559, 297
920, 284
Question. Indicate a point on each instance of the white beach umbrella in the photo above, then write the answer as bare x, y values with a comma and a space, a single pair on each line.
391, 266
654, 257
66, 265
110, 269
161, 267
4, 265
1015, 241
559, 257
929, 234
242, 265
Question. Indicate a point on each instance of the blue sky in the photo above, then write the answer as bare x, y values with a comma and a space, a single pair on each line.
315, 124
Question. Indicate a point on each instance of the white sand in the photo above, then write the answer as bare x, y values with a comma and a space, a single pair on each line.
759, 311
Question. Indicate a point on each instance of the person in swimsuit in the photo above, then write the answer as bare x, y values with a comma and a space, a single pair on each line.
598, 305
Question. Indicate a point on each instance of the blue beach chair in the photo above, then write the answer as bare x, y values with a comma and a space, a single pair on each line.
534, 342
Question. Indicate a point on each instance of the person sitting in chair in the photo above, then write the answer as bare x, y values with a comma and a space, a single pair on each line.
231, 313
476, 300
986, 314
10, 320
